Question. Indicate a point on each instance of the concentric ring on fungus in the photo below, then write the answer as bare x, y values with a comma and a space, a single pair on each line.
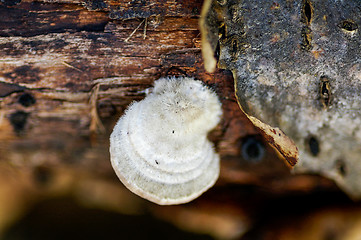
159, 147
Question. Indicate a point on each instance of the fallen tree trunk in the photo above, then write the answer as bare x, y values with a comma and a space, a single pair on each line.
70, 68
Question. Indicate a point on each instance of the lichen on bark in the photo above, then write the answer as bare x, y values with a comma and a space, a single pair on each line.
296, 67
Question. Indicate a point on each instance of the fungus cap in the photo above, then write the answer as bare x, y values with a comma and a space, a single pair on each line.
159, 147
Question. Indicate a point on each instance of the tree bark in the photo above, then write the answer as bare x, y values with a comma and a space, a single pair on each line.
69, 68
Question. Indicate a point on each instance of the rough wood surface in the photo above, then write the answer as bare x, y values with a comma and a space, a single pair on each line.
68, 69
296, 67
67, 73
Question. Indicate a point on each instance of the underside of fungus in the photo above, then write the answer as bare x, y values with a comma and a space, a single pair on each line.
159, 147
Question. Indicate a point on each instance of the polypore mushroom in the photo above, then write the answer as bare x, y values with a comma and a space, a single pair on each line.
159, 147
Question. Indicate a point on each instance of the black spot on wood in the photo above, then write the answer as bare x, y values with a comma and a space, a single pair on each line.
313, 146
96, 27
253, 149
42, 175
7, 88
325, 92
24, 74
106, 109
217, 51
196, 11
234, 46
18, 120
40, 46
307, 11
26, 100
341, 167
70, 85
348, 25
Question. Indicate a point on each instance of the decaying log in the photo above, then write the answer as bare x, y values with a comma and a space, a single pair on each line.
69, 68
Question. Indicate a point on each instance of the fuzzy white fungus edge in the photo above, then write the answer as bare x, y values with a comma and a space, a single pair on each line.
159, 147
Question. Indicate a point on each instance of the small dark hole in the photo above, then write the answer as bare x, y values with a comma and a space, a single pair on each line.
173, 131
217, 52
313, 146
253, 150
18, 120
325, 91
341, 166
106, 109
349, 25
195, 11
26, 100
308, 11
156, 162
234, 46
42, 175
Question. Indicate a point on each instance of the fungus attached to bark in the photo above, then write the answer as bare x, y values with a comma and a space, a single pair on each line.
159, 147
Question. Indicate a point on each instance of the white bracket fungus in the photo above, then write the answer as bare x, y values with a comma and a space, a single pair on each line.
159, 147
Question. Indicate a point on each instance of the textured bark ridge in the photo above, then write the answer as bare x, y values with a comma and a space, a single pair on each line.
297, 67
